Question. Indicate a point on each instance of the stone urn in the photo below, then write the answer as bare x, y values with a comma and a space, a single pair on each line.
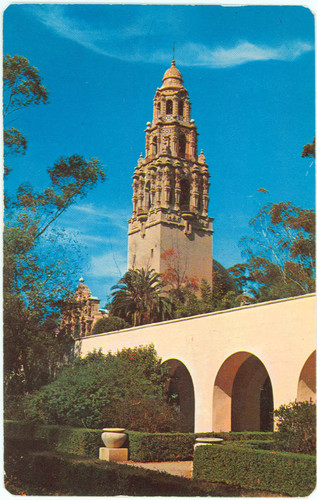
113, 437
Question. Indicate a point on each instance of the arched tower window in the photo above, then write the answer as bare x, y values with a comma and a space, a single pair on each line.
184, 195
154, 146
158, 107
169, 107
180, 108
182, 146
148, 201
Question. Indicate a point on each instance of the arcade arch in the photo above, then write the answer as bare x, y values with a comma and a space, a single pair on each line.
242, 397
306, 388
181, 389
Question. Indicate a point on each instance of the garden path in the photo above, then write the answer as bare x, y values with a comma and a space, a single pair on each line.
183, 468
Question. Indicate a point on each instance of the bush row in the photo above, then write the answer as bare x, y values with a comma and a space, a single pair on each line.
143, 447
70, 475
286, 473
72, 440
160, 447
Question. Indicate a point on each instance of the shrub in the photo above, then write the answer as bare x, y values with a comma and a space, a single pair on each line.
159, 447
93, 391
25, 436
109, 324
144, 414
296, 427
284, 473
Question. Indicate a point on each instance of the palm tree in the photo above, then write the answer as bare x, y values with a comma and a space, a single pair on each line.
139, 297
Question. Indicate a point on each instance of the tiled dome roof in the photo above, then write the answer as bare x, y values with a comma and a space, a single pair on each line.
172, 77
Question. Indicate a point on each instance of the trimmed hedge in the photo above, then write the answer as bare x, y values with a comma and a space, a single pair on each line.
72, 440
163, 447
252, 443
44, 473
67, 474
278, 472
160, 447
143, 447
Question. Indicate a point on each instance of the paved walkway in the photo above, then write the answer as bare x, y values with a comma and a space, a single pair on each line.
183, 469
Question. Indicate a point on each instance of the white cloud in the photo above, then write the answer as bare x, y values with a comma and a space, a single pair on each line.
116, 42
241, 53
117, 218
110, 264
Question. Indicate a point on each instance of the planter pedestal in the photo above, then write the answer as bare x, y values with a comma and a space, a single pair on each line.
113, 454
113, 438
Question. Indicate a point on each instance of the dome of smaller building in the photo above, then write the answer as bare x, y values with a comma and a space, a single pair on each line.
172, 77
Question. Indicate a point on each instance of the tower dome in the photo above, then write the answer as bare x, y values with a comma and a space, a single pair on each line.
172, 77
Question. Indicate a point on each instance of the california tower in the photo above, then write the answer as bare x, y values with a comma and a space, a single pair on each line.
170, 189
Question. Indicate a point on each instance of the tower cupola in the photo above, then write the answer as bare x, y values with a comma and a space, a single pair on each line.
172, 77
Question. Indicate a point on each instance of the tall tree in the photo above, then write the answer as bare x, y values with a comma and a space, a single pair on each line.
37, 268
139, 297
22, 87
281, 254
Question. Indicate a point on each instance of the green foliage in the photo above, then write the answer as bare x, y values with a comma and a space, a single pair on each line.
37, 282
279, 472
22, 84
126, 389
296, 427
188, 305
109, 324
222, 295
159, 447
138, 298
22, 87
280, 255
14, 142
149, 414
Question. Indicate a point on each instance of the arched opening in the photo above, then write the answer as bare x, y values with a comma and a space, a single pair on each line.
158, 108
169, 107
180, 108
184, 194
154, 146
306, 389
243, 396
148, 196
181, 391
182, 146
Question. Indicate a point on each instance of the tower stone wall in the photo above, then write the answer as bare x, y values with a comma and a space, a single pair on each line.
170, 189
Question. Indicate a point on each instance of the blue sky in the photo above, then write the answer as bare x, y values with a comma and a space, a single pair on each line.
250, 76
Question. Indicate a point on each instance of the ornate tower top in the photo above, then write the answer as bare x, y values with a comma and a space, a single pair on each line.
171, 176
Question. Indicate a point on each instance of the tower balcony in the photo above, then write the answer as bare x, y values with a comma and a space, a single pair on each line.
142, 215
187, 214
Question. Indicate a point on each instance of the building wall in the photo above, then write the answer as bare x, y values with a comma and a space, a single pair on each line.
194, 249
281, 334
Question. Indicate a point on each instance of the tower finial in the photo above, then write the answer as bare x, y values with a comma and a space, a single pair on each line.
174, 52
